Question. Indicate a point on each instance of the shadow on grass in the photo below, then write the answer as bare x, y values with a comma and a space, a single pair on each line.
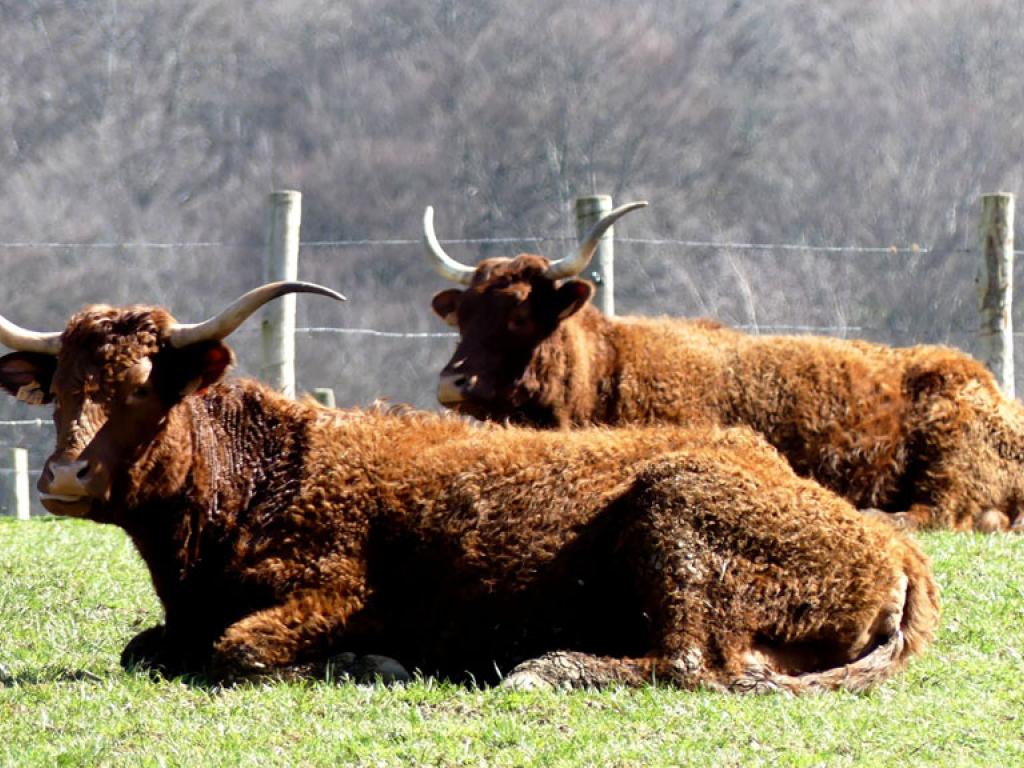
363, 670
47, 675
53, 675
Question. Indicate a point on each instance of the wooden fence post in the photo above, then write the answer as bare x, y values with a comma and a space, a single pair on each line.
282, 263
324, 396
994, 283
602, 269
18, 497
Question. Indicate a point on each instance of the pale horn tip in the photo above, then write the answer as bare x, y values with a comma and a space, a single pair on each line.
299, 286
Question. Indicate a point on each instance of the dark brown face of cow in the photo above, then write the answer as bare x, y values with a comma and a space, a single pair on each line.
503, 318
111, 386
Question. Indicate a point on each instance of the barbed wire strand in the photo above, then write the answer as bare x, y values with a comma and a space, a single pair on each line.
786, 328
361, 243
381, 334
453, 335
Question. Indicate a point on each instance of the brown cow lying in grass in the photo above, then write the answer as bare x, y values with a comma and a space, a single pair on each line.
921, 433
278, 532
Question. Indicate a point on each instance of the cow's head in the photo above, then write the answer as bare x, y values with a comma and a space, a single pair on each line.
508, 308
113, 376
973, 435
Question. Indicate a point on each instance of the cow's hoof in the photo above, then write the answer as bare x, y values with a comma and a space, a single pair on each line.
148, 650
235, 662
992, 521
372, 668
369, 669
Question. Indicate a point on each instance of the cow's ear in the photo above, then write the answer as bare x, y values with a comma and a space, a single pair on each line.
198, 366
919, 384
446, 305
942, 374
571, 296
27, 376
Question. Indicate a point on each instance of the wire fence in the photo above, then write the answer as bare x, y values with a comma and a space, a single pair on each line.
404, 242
681, 244
641, 260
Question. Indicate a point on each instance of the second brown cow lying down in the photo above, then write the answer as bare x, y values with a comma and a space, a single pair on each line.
922, 433
279, 533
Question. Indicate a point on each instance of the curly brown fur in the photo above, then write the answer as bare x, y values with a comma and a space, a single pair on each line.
278, 533
922, 432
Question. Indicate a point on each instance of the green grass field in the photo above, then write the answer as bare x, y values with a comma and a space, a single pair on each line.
72, 593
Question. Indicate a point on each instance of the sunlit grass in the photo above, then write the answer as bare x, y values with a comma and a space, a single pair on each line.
71, 595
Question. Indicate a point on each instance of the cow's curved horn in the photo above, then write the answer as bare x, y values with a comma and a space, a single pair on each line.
575, 263
443, 264
23, 340
222, 324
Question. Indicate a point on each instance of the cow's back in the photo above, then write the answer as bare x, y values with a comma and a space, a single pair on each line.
837, 409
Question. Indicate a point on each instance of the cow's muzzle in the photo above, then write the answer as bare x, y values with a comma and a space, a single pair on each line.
69, 486
452, 387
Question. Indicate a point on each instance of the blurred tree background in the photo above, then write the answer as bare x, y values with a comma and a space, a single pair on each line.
139, 140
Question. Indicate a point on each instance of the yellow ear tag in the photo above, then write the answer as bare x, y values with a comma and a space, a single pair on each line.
31, 393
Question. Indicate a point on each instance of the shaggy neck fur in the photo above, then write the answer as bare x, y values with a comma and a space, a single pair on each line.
222, 458
571, 379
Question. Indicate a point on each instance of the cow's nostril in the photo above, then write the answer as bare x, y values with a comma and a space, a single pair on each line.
67, 477
461, 382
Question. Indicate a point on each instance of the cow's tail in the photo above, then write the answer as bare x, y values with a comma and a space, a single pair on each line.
903, 630
921, 612
879, 664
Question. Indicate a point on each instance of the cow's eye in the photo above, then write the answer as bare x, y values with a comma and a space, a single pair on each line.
140, 393
518, 323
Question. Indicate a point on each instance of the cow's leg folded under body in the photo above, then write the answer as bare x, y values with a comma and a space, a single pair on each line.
297, 634
802, 597
294, 635
572, 669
